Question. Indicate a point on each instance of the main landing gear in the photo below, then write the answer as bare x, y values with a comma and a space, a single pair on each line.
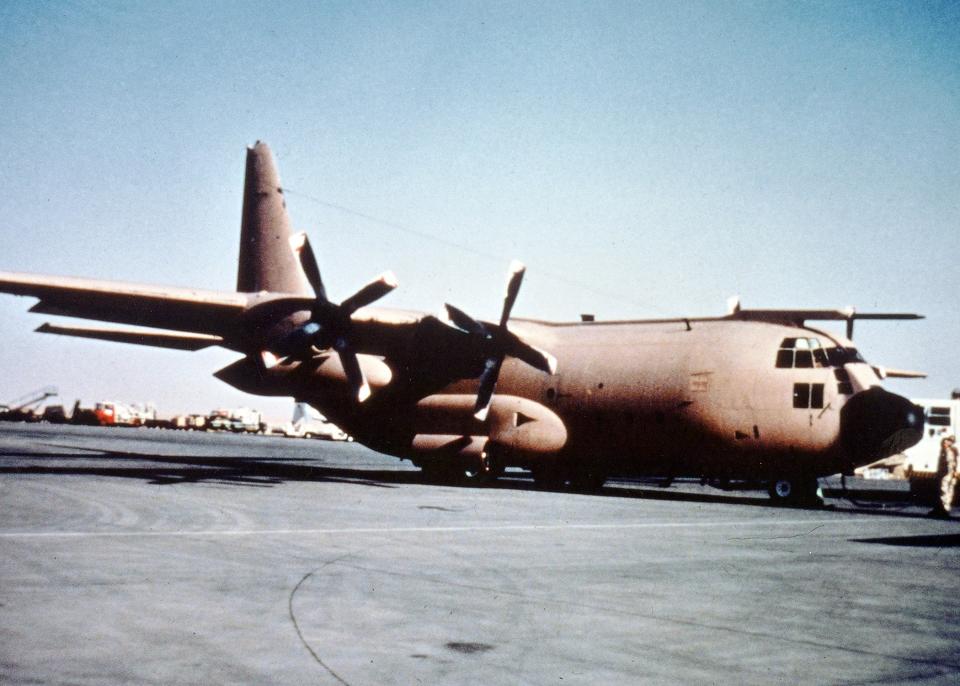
579, 478
480, 471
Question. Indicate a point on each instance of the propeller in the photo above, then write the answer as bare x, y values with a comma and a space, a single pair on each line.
330, 325
498, 342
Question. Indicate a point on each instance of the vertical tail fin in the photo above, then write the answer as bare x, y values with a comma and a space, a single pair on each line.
267, 259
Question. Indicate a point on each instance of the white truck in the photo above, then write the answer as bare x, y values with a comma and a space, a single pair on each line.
920, 462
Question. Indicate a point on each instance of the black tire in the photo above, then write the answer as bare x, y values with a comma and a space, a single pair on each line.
588, 480
438, 473
483, 471
794, 490
456, 472
548, 477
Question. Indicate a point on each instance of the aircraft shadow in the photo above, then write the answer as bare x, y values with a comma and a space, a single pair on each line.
927, 541
626, 488
165, 470
266, 472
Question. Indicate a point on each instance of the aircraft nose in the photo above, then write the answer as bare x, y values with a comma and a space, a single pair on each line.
875, 424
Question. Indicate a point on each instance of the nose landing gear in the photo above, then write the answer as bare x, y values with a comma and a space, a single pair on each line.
794, 490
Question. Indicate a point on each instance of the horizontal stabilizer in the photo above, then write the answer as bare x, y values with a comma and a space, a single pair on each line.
176, 341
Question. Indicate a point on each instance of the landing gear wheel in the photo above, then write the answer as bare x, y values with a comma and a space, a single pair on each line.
479, 474
547, 477
587, 480
438, 473
794, 490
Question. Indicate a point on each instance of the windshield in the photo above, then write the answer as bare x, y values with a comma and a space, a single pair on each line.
840, 356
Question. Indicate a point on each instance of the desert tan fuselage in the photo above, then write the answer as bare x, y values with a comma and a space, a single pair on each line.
678, 398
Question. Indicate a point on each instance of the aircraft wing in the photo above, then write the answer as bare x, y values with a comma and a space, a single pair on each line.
200, 318
215, 313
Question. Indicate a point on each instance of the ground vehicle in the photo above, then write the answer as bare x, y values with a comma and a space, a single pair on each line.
189, 422
920, 463
237, 420
109, 413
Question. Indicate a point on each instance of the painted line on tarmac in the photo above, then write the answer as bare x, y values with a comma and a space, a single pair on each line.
508, 528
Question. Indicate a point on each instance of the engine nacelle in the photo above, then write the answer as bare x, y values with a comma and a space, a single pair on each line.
515, 427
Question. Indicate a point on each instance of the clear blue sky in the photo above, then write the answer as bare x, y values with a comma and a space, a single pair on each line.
643, 160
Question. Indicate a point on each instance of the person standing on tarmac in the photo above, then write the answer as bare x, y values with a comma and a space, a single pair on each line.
947, 473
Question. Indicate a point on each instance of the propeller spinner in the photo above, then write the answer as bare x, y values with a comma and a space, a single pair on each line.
330, 325
498, 342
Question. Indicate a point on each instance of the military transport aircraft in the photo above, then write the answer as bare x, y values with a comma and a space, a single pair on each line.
754, 395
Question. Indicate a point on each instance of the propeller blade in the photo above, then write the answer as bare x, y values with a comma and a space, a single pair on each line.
517, 271
351, 367
464, 321
488, 382
268, 359
536, 358
308, 261
372, 292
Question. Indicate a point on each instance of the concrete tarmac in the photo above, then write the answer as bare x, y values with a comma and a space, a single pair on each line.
160, 557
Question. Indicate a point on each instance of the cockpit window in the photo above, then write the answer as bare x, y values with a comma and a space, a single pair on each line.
844, 385
801, 353
806, 353
841, 356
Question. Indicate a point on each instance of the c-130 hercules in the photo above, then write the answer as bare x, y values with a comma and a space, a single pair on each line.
755, 395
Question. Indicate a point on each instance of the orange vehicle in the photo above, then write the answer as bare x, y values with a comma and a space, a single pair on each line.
113, 414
